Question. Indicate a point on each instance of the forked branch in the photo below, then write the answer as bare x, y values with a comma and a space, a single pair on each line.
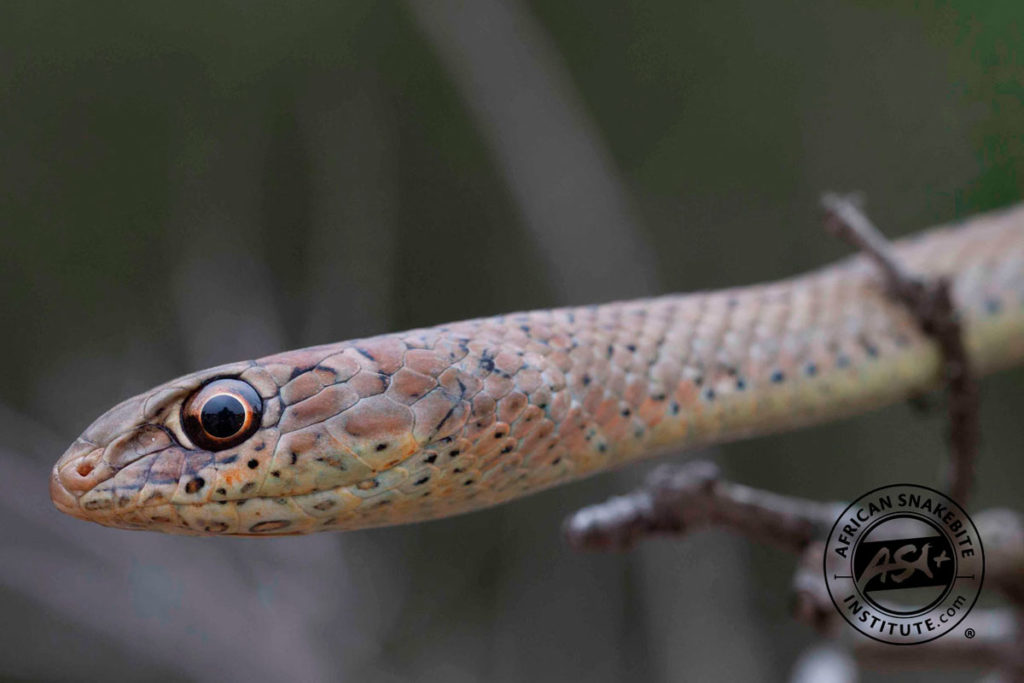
931, 303
679, 500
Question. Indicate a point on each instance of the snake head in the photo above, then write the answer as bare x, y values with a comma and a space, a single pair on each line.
137, 465
332, 437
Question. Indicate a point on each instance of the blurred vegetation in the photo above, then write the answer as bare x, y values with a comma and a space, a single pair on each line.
137, 138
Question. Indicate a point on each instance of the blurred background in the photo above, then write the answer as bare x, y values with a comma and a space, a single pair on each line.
186, 184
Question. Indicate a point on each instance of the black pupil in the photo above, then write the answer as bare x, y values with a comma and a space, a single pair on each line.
223, 415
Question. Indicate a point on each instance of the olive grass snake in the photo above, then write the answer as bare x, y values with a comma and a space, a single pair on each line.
438, 421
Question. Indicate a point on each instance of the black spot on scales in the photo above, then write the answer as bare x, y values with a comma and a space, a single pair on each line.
298, 371
868, 347
486, 363
451, 411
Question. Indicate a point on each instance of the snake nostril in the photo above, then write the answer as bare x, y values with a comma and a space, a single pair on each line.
82, 467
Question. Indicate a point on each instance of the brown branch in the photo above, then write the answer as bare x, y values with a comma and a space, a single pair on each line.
680, 500
811, 602
930, 302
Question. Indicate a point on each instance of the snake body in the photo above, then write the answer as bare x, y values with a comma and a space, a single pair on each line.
433, 422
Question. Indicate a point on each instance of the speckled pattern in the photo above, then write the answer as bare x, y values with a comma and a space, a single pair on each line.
434, 422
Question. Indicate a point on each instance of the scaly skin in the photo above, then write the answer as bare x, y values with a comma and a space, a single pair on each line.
434, 422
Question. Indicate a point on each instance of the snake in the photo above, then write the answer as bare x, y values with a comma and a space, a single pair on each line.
432, 422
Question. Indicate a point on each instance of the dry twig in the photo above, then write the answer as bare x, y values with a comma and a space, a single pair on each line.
931, 304
679, 500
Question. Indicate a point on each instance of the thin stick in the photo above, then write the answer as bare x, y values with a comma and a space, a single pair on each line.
931, 304
680, 500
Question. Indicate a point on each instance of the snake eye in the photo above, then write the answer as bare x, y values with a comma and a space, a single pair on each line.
222, 414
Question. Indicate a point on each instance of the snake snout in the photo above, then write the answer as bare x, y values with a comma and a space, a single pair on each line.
80, 468
62, 499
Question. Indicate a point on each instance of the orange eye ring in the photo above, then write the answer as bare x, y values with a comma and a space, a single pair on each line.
222, 414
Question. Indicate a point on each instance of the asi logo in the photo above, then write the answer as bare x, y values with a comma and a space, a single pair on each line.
904, 564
